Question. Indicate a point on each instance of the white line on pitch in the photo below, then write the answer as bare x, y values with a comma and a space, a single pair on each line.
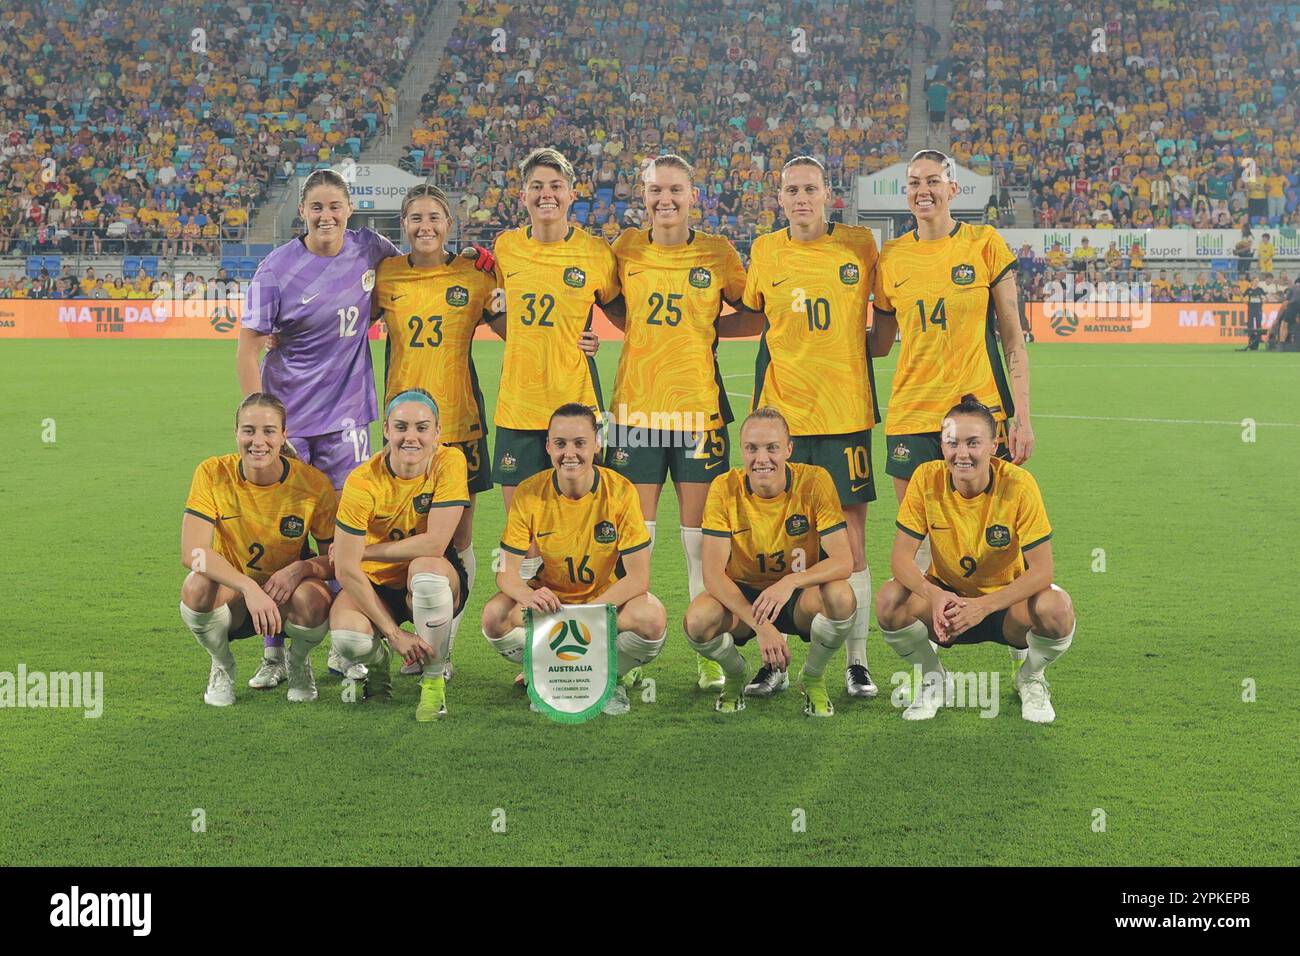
1163, 421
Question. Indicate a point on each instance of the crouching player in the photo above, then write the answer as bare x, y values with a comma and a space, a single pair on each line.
586, 522
242, 537
396, 517
984, 517
776, 561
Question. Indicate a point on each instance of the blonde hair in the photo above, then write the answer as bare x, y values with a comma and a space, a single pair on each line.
549, 157
430, 190
668, 161
766, 413
267, 400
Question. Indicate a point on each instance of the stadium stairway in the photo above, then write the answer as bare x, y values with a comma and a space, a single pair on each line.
424, 59
937, 14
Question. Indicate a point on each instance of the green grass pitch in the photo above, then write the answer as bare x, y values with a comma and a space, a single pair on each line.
1198, 528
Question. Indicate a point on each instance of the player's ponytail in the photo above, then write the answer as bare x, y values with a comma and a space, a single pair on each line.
970, 405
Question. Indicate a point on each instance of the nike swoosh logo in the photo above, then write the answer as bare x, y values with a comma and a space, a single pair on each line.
543, 534
776, 282
396, 297
900, 282
637, 273
226, 517
710, 467
939, 527
859, 487
382, 517
509, 274
740, 531
308, 298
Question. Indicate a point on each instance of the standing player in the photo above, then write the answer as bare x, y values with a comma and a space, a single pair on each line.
983, 516
949, 287
314, 295
554, 275
776, 562
586, 523
396, 518
246, 521
670, 410
813, 281
432, 301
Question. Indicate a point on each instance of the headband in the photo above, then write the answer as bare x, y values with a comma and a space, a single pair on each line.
411, 395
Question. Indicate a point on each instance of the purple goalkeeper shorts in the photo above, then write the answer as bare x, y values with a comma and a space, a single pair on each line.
336, 454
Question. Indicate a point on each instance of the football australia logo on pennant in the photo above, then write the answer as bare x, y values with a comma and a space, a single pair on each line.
570, 658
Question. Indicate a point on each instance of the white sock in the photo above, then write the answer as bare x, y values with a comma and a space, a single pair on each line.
510, 646
431, 610
303, 640
1042, 651
722, 649
827, 636
470, 561
692, 544
357, 647
275, 652
529, 567
451, 638
912, 644
212, 631
1018, 653
855, 646
650, 526
635, 651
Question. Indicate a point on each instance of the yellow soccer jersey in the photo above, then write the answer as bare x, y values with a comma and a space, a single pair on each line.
977, 545
813, 364
940, 291
773, 537
431, 315
674, 295
262, 528
383, 507
582, 542
550, 290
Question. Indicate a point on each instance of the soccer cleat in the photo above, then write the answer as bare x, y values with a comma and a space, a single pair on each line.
433, 699
1035, 698
618, 703
816, 700
521, 682
927, 702
449, 671
767, 682
221, 687
631, 678
412, 669
711, 676
269, 675
732, 698
340, 666
858, 682
302, 683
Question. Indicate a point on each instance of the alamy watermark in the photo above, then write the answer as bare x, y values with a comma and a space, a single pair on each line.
76, 690
974, 689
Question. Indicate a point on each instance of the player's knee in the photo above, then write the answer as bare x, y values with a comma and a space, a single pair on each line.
838, 600
309, 605
891, 605
496, 616
1052, 613
199, 593
703, 619
430, 565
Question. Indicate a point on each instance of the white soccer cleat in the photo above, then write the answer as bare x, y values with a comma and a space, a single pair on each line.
340, 666
269, 675
1035, 698
927, 702
221, 687
858, 682
766, 682
618, 704
302, 684
412, 669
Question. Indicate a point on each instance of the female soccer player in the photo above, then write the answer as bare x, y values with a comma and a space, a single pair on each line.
396, 516
767, 526
670, 410
242, 535
812, 282
586, 523
432, 301
984, 516
948, 286
314, 295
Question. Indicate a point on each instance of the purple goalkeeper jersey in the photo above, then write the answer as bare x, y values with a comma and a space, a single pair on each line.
318, 307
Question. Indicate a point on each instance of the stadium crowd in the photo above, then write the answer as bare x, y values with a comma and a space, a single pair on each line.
735, 94
133, 127
1161, 113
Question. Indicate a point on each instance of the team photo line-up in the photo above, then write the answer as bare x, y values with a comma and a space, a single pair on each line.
774, 547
